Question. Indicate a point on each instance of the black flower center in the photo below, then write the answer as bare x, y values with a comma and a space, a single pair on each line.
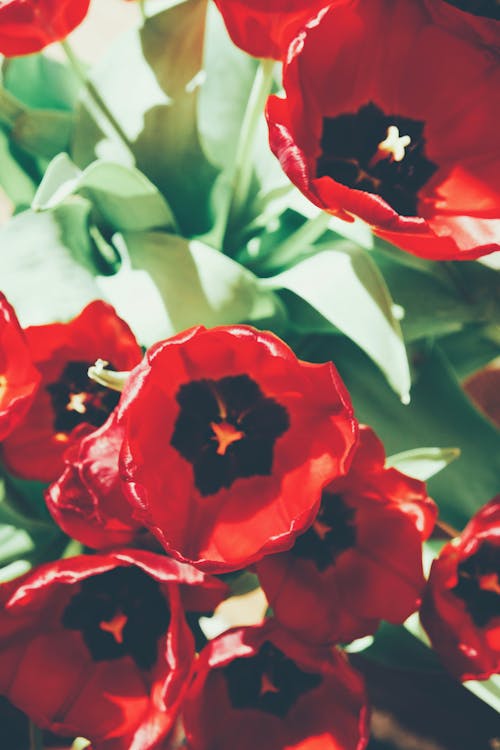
479, 584
488, 8
332, 533
268, 681
119, 613
378, 153
227, 429
76, 398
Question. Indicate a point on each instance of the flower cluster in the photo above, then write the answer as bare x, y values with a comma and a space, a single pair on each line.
218, 451
226, 451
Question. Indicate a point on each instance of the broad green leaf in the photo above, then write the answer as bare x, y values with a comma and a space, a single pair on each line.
15, 544
43, 133
167, 283
41, 82
46, 261
17, 183
344, 285
124, 198
423, 463
395, 647
159, 64
439, 412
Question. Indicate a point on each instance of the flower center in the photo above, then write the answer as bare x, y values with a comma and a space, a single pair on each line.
268, 681
227, 429
377, 153
332, 533
119, 613
76, 399
479, 584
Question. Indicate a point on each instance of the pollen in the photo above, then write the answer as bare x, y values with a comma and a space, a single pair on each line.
225, 434
76, 402
490, 582
392, 147
3, 385
115, 626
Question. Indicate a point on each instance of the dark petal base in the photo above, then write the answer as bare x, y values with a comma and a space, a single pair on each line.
332, 533
487, 8
483, 604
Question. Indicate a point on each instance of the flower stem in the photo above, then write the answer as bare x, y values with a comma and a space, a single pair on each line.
297, 243
36, 738
97, 106
142, 9
243, 165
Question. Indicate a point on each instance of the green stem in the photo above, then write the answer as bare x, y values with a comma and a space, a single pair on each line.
142, 9
243, 165
36, 738
99, 109
298, 242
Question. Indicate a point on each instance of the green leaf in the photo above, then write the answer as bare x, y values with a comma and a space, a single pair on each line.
40, 82
471, 349
395, 647
423, 463
439, 411
17, 183
160, 63
124, 198
185, 283
344, 285
47, 267
43, 133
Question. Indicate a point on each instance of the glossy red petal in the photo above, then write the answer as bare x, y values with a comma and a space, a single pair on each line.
19, 378
27, 26
241, 519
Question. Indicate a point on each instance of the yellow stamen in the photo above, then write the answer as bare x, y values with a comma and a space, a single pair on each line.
3, 386
77, 402
392, 147
225, 434
115, 626
321, 529
490, 582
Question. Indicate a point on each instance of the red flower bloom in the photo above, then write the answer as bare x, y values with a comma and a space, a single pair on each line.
28, 26
263, 28
361, 560
67, 397
461, 609
479, 18
18, 377
229, 440
257, 687
87, 501
393, 118
99, 647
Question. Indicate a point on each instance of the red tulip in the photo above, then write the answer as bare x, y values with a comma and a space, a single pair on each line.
461, 609
229, 440
27, 26
66, 398
260, 688
391, 117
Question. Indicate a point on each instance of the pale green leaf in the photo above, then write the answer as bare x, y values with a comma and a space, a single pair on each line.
125, 199
423, 463
344, 285
167, 283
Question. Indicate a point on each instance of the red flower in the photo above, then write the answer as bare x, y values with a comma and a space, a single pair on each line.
87, 501
393, 118
229, 440
28, 26
99, 647
361, 560
461, 609
67, 397
263, 28
257, 687
18, 377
